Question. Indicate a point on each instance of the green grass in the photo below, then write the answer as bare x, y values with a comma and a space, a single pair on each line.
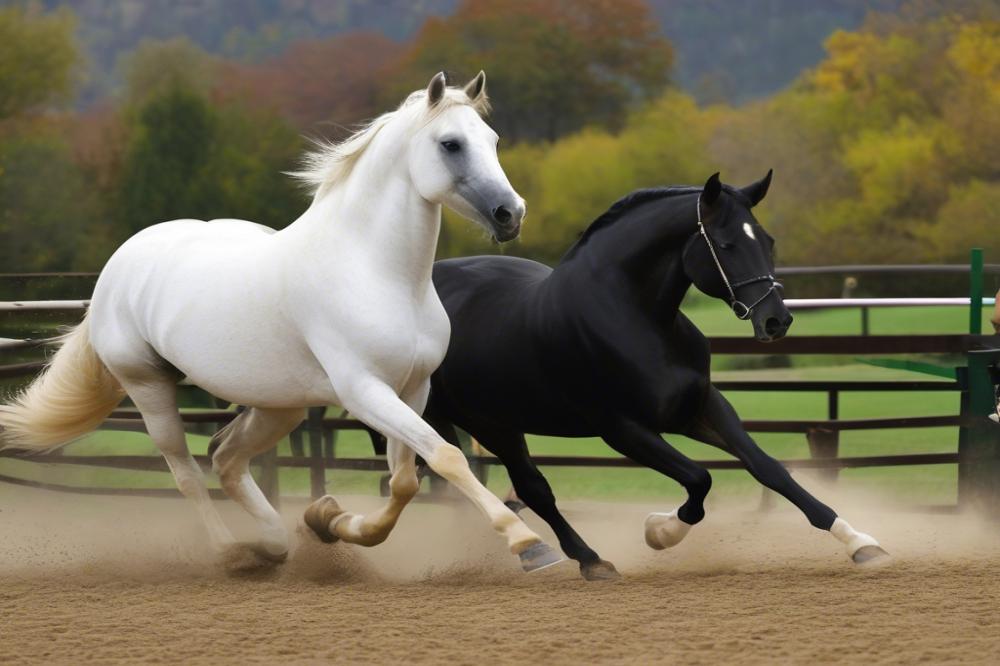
923, 484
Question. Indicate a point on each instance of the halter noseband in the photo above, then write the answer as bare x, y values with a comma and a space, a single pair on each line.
740, 309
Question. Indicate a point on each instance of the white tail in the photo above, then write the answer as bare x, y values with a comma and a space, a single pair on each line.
71, 397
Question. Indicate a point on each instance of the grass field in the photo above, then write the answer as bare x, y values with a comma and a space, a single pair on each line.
923, 484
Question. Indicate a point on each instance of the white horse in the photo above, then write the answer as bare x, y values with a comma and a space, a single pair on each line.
337, 308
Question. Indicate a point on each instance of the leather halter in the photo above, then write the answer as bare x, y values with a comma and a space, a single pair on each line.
740, 309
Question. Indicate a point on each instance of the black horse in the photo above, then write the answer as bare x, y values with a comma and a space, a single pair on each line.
598, 347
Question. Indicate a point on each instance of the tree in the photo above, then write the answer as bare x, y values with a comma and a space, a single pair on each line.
157, 67
568, 183
553, 66
46, 207
37, 55
314, 81
164, 169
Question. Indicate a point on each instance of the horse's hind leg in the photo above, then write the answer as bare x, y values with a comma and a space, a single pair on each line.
720, 426
534, 490
254, 431
155, 396
648, 448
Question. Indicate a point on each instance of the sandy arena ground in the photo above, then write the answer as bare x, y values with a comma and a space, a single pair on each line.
116, 580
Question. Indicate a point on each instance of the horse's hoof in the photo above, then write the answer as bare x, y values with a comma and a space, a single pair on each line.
870, 555
539, 556
664, 530
599, 570
318, 516
249, 559
262, 552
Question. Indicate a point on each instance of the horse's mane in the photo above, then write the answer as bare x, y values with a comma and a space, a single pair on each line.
330, 162
634, 200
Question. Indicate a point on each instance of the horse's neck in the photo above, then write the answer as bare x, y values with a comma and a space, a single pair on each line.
674, 286
378, 213
645, 257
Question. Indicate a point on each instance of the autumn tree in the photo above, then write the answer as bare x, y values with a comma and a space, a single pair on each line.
552, 66
880, 147
313, 82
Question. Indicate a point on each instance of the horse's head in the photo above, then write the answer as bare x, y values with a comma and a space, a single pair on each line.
453, 159
730, 257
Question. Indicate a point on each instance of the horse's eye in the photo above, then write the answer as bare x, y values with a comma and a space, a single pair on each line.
726, 246
451, 146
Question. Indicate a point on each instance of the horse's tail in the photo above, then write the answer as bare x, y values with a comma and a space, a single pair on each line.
71, 397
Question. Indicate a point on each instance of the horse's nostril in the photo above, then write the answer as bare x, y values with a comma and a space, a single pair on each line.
502, 215
772, 326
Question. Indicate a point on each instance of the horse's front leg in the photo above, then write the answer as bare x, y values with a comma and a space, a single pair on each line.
376, 404
330, 522
534, 490
648, 448
720, 426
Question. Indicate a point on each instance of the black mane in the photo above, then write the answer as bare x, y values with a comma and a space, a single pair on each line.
634, 200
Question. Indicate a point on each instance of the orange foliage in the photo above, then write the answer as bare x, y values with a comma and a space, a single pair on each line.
314, 81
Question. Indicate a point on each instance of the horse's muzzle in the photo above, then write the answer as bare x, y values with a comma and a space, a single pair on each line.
773, 328
507, 232
506, 221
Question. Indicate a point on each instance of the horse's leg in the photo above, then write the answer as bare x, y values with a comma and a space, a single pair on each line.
648, 448
534, 490
251, 433
156, 399
720, 426
376, 404
330, 522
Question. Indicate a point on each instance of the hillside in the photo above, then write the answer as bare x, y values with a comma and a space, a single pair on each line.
726, 51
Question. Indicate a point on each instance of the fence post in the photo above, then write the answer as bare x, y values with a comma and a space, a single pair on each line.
295, 441
317, 471
267, 477
825, 444
976, 291
979, 441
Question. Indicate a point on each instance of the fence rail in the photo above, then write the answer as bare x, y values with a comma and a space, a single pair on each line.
978, 454
822, 435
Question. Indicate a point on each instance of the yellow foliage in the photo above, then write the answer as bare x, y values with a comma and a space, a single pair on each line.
970, 218
893, 166
976, 53
845, 67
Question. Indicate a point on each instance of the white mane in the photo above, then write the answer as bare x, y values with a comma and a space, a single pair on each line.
331, 162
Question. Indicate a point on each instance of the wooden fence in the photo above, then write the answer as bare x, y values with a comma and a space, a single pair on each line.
977, 454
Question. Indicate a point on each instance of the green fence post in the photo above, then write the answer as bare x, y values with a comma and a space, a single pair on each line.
976, 291
979, 440
979, 443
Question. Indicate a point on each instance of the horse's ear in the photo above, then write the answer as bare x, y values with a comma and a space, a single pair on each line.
756, 192
435, 89
476, 86
712, 189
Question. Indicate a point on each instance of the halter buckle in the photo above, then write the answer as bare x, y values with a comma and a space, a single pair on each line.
741, 310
